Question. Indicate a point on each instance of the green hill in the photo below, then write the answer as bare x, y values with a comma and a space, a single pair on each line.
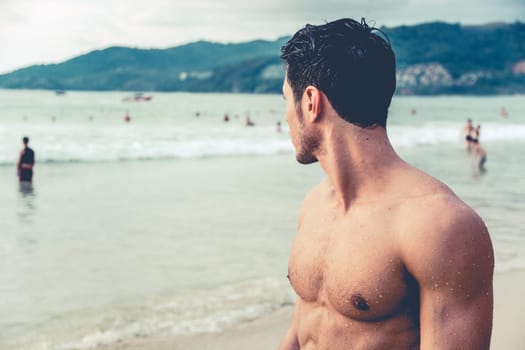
432, 58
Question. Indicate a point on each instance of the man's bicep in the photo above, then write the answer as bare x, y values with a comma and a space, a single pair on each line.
451, 321
452, 262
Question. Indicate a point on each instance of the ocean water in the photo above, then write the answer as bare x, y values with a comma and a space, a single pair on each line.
178, 223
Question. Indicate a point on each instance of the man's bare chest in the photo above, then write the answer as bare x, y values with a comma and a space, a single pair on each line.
350, 266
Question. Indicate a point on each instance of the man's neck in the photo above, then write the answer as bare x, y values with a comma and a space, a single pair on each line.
357, 162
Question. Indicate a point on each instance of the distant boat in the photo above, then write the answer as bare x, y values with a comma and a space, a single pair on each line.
60, 92
138, 97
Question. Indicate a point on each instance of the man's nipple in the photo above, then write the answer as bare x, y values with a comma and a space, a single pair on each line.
359, 302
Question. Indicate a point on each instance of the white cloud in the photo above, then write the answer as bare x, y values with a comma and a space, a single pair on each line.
36, 31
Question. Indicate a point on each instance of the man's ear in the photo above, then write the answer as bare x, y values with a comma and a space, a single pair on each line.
312, 104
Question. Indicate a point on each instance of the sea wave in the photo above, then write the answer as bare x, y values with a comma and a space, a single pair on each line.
113, 144
192, 312
445, 133
153, 150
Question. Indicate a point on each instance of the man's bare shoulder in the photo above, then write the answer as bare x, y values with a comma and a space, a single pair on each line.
439, 233
432, 210
432, 219
434, 207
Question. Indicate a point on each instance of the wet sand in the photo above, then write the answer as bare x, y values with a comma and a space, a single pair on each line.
266, 333
509, 315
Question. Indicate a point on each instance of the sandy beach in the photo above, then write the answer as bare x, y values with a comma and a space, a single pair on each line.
509, 318
266, 333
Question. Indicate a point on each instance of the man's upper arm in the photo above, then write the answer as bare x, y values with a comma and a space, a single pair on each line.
452, 260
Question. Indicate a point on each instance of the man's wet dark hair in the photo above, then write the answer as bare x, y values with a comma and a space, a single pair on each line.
25, 140
352, 65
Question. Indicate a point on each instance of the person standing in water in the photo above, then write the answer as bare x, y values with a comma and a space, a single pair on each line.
385, 256
26, 162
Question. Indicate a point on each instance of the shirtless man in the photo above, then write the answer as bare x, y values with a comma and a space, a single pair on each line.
385, 257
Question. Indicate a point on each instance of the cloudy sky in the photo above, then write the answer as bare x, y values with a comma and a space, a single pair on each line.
51, 31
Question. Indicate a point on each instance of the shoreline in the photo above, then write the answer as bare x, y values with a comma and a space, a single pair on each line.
267, 332
261, 334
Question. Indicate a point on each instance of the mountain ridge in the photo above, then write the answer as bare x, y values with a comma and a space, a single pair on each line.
432, 58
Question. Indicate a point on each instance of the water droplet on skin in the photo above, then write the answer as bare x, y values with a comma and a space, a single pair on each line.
380, 295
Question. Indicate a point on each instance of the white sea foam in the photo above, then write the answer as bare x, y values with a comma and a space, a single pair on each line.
201, 311
436, 134
117, 143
